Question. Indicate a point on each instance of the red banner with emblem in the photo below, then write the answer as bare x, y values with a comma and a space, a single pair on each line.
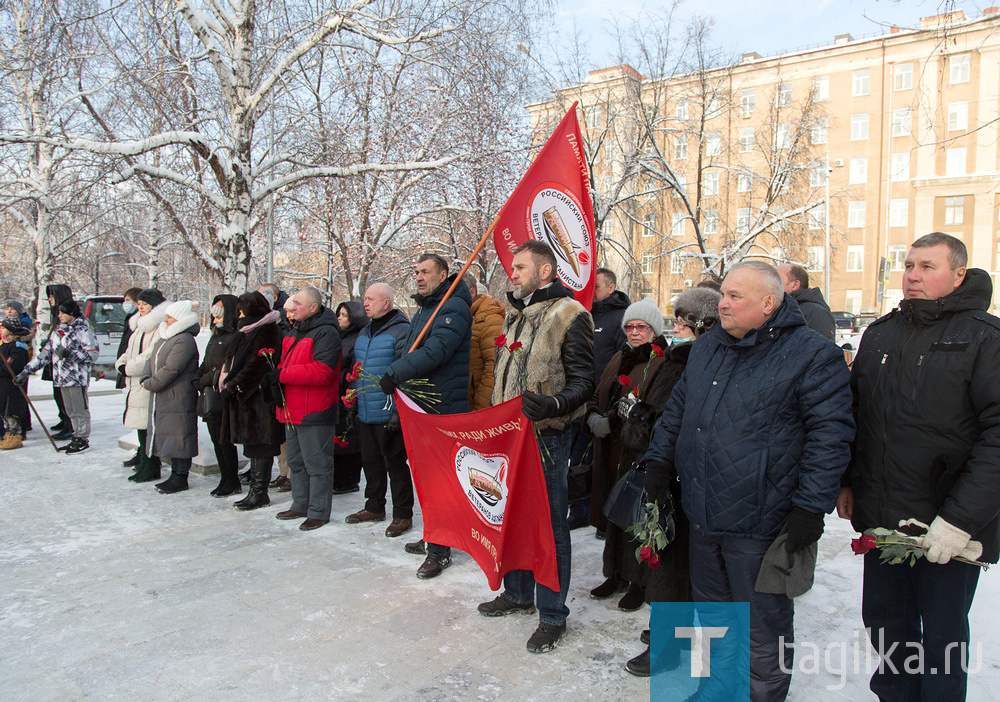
552, 204
481, 487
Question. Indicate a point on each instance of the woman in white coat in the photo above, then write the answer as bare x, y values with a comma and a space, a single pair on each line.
145, 333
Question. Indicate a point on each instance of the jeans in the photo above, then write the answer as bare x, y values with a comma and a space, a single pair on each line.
519, 585
927, 604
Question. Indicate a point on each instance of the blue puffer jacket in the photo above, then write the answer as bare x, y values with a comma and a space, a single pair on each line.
376, 353
758, 425
443, 355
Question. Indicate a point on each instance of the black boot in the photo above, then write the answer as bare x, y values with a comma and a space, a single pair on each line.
260, 476
149, 469
229, 483
134, 461
175, 483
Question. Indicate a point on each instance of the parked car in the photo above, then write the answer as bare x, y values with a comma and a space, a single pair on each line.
864, 318
844, 322
107, 319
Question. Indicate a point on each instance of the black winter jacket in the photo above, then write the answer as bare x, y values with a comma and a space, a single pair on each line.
926, 384
609, 337
348, 337
217, 351
816, 311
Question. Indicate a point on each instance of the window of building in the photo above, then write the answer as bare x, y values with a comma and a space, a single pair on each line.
904, 76
649, 225
821, 88
747, 102
954, 162
647, 262
820, 131
710, 184
852, 301
743, 220
682, 182
593, 117
818, 172
782, 135
899, 212
711, 224
677, 263
856, 213
746, 139
954, 210
816, 217
855, 258
714, 107
677, 224
743, 182
897, 256
859, 126
958, 116
681, 110
713, 143
860, 84
681, 147
902, 122
859, 171
784, 95
959, 68
815, 258
899, 166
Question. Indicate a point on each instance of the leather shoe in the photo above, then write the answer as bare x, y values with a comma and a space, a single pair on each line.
289, 514
344, 489
417, 548
432, 566
310, 524
364, 516
279, 481
398, 527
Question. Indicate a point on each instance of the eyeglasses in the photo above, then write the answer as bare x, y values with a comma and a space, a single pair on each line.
636, 327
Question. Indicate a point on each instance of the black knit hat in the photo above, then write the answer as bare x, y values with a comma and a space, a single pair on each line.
152, 297
15, 326
72, 308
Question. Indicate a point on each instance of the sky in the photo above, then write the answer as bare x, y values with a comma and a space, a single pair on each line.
766, 26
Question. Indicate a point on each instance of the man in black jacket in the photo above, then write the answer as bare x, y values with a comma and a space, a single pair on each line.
553, 375
926, 385
814, 308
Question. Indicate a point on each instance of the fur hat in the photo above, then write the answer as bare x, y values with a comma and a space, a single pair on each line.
645, 311
698, 308
179, 310
71, 307
152, 297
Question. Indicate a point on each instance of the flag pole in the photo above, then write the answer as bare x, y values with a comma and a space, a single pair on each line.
458, 279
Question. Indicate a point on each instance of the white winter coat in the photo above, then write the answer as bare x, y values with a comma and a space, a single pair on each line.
145, 334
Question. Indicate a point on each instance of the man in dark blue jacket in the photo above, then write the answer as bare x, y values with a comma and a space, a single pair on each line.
383, 453
442, 359
758, 429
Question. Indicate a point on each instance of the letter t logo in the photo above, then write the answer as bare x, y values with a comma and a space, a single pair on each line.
699, 651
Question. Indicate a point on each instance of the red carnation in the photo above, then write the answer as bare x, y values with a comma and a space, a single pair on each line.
646, 552
500, 341
623, 380
262, 352
349, 400
516, 346
657, 351
654, 561
863, 544
60, 332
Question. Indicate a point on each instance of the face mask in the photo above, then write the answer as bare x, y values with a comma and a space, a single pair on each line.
679, 342
128, 307
220, 323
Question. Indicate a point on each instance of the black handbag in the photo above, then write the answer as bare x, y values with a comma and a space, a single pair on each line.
626, 503
211, 402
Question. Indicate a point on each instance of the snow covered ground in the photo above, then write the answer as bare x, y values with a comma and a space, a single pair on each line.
110, 590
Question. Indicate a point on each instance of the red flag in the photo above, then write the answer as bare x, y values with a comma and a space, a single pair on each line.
552, 204
480, 484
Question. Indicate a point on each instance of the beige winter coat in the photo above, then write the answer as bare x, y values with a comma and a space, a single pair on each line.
145, 334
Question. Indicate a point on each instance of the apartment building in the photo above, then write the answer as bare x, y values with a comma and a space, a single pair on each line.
836, 157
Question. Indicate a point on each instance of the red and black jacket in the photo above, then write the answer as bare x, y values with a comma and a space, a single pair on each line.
310, 371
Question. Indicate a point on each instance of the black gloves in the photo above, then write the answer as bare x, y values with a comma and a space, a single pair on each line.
227, 392
658, 479
22, 376
538, 407
804, 528
393, 426
387, 384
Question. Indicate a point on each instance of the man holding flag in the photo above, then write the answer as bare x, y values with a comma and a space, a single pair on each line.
547, 357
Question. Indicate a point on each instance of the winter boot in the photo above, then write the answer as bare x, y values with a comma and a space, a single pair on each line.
149, 470
175, 483
11, 441
260, 475
229, 483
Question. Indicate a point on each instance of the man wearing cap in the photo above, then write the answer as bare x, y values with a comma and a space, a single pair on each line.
72, 350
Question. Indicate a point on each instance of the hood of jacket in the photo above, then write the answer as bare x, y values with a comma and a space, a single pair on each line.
324, 317
785, 317
615, 301
485, 305
149, 322
359, 320
229, 313
59, 292
553, 291
279, 302
809, 295
974, 293
432, 300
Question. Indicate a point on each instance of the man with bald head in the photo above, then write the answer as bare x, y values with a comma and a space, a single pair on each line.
382, 451
758, 431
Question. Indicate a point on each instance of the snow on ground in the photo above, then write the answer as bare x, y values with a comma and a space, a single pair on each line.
111, 590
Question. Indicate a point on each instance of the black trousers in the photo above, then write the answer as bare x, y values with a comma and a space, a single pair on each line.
225, 453
384, 457
63, 415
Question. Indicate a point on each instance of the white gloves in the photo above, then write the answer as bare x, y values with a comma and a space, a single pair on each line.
599, 426
945, 541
